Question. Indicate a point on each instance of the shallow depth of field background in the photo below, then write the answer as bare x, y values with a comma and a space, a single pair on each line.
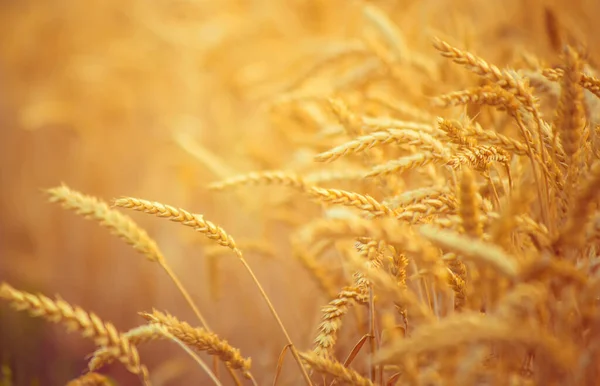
102, 96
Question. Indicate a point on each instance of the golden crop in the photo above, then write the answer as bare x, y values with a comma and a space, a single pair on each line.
364, 192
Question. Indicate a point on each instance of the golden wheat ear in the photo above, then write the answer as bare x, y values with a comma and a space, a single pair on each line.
90, 379
201, 340
335, 369
275, 177
89, 325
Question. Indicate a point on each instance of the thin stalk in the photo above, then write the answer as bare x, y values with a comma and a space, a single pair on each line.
185, 294
426, 287
524, 132
417, 276
496, 195
276, 316
193, 306
542, 150
193, 355
216, 369
372, 333
252, 380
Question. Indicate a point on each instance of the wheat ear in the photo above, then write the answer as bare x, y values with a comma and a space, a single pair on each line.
159, 330
479, 157
588, 82
332, 318
179, 215
473, 249
76, 319
201, 340
407, 137
570, 119
136, 336
335, 369
276, 177
352, 199
470, 328
217, 234
513, 83
405, 163
580, 212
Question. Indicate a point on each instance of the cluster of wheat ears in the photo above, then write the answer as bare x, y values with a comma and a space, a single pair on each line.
472, 259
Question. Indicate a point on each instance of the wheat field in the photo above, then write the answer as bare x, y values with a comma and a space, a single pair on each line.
299, 192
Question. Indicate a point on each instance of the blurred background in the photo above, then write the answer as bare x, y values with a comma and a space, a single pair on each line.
158, 99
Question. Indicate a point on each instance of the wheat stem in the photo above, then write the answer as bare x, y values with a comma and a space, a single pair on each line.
276, 316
